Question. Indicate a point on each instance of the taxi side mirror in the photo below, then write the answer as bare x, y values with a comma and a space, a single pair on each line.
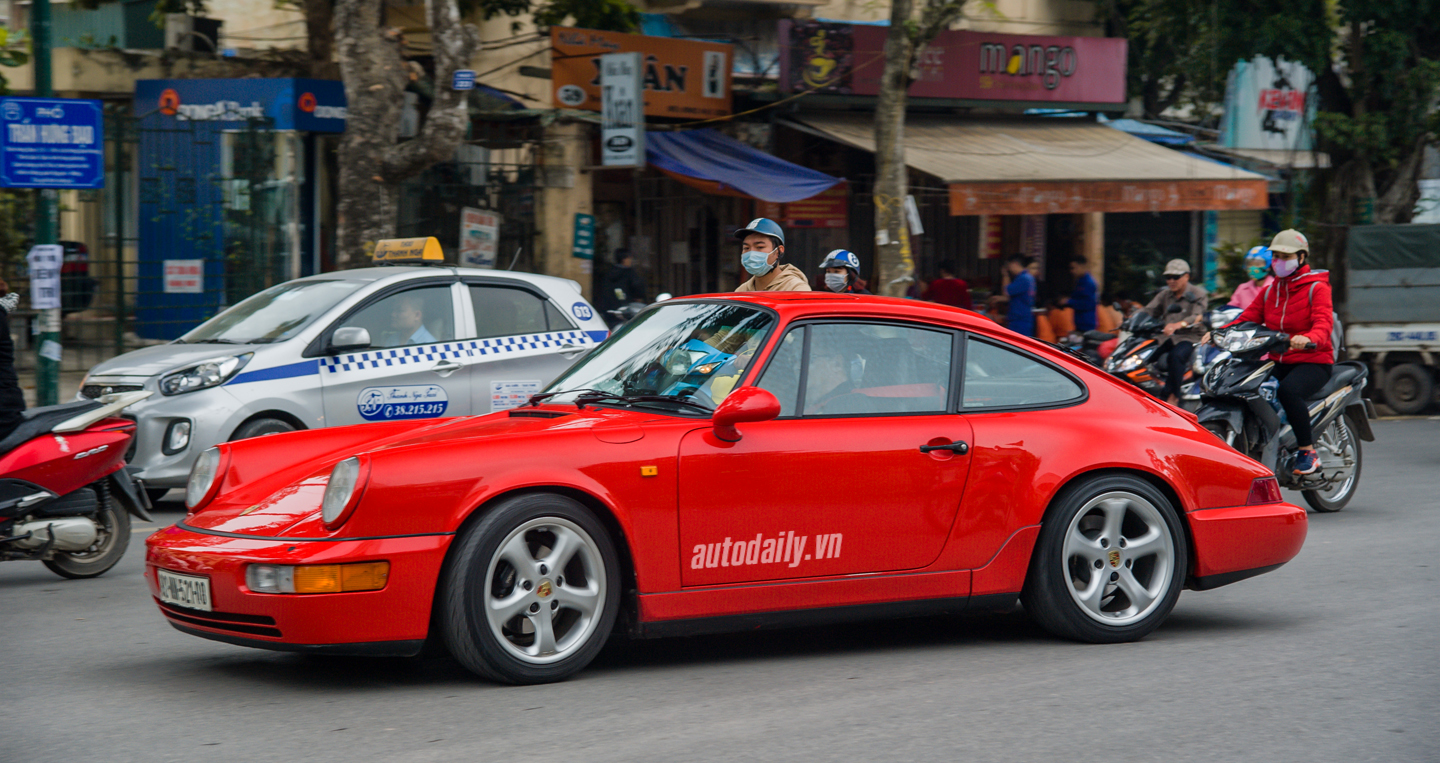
349, 339
742, 406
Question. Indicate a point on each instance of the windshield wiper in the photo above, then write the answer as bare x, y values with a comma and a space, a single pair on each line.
535, 400
596, 397
217, 341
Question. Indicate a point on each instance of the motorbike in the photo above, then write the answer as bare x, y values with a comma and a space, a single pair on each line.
1139, 358
1240, 406
65, 496
1206, 355
1087, 346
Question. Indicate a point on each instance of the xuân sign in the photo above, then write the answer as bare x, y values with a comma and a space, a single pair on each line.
681, 78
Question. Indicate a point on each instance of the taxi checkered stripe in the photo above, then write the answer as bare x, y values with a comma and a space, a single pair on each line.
432, 353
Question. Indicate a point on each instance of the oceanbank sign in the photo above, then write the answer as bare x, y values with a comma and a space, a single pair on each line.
284, 104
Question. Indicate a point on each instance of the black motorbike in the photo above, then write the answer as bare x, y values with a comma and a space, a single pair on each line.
1140, 357
1239, 404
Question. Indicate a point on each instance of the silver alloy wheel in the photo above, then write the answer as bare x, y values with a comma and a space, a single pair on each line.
1119, 558
544, 590
1336, 445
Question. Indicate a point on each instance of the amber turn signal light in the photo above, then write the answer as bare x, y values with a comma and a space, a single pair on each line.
317, 578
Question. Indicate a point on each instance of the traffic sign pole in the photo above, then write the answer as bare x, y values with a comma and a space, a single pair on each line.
47, 359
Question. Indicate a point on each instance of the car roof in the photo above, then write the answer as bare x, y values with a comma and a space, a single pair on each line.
802, 304
407, 272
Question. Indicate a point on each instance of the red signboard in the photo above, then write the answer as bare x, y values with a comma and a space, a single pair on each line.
827, 209
978, 66
1052, 198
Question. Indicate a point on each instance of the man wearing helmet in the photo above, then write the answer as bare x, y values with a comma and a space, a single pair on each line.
762, 245
841, 271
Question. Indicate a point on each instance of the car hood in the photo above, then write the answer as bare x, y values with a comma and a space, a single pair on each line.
153, 361
273, 495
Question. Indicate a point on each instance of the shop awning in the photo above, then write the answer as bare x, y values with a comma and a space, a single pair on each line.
1052, 166
717, 163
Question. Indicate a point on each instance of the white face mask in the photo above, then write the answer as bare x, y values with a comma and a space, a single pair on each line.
1284, 268
835, 281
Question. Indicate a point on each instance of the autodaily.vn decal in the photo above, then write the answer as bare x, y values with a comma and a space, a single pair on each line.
417, 401
787, 548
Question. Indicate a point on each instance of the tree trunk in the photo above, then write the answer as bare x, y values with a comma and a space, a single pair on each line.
894, 267
320, 38
372, 164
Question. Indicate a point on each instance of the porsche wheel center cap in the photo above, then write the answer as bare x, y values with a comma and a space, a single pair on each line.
544, 589
1114, 558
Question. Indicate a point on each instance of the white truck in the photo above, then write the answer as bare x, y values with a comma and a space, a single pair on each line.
1392, 304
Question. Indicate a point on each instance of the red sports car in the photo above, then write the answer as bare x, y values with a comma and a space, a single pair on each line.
726, 462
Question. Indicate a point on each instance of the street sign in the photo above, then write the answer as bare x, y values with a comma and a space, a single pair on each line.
184, 276
51, 143
45, 261
464, 79
622, 125
584, 246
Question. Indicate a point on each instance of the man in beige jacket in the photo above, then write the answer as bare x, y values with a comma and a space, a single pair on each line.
762, 246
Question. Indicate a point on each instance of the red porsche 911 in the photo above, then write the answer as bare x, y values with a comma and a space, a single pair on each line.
727, 462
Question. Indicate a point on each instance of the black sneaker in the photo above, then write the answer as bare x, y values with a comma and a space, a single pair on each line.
1308, 462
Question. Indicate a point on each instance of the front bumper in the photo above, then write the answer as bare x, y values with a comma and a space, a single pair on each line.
1235, 543
393, 620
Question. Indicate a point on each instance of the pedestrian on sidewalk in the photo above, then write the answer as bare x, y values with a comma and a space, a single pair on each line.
762, 247
12, 399
1020, 286
1084, 298
948, 290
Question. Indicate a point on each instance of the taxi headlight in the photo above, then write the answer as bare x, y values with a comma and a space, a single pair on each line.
342, 492
204, 478
206, 373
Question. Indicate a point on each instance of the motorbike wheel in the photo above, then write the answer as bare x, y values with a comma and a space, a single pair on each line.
1337, 444
110, 544
1109, 563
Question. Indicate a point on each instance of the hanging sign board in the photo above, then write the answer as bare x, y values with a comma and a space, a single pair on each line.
184, 276
51, 143
463, 79
622, 123
479, 237
584, 244
679, 78
827, 209
44, 261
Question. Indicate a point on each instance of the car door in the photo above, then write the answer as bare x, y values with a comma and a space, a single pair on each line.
522, 341
409, 370
838, 484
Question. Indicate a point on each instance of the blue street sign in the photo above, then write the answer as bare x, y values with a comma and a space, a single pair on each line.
51, 143
464, 79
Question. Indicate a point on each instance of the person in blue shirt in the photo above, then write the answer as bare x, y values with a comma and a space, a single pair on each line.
407, 321
1020, 286
1083, 299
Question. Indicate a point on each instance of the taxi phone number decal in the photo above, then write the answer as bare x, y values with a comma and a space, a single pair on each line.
416, 401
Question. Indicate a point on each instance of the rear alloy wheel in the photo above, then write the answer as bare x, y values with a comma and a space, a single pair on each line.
112, 537
1109, 564
532, 591
1339, 450
1408, 389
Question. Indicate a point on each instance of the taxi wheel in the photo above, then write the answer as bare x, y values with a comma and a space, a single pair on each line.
257, 427
531, 591
1109, 563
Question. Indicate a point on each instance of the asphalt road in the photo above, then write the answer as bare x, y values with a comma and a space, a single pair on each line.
1331, 658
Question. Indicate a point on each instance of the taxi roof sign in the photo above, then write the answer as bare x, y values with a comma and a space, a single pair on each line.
408, 250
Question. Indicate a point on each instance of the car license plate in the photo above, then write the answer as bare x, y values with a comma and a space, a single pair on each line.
185, 590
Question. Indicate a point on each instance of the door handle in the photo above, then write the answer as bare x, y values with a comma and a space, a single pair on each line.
958, 447
571, 350
445, 368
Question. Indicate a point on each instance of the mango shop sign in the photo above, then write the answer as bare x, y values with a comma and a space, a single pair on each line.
978, 66
681, 78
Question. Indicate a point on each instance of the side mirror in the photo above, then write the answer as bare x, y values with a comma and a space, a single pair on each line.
349, 339
743, 406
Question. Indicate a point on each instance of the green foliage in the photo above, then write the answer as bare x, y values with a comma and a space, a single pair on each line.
14, 51
17, 229
606, 15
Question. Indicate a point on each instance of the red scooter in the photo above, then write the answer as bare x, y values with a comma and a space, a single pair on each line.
64, 491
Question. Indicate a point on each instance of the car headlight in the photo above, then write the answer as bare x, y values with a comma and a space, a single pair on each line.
206, 373
342, 492
204, 478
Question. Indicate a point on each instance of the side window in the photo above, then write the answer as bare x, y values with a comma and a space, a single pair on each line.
415, 316
859, 368
999, 378
556, 320
503, 311
782, 376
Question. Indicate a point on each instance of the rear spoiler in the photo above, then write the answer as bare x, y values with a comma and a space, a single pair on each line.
111, 405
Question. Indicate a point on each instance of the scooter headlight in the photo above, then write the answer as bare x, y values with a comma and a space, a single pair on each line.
1135, 361
205, 374
1239, 341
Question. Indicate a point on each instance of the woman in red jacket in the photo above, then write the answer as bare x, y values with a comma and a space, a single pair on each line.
1298, 303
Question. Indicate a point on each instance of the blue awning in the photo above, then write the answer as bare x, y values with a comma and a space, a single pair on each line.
717, 163
1152, 133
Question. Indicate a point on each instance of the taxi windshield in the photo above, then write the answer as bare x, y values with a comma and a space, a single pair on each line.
273, 315
688, 356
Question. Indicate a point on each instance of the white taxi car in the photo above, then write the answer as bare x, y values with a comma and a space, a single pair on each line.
348, 347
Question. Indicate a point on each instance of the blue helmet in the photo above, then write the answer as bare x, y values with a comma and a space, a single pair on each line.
841, 258
1261, 253
764, 226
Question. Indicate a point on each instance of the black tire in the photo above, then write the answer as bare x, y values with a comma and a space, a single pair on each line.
1049, 596
1408, 389
494, 647
257, 427
1326, 503
106, 553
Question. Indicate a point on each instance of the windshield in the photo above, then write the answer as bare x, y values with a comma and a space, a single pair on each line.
691, 353
273, 315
